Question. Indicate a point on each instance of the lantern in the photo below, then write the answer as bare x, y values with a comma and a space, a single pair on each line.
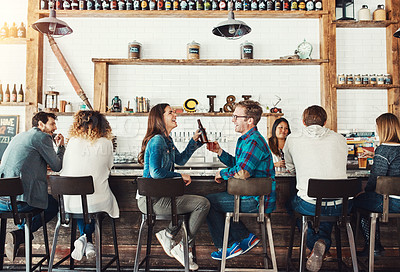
344, 10
51, 101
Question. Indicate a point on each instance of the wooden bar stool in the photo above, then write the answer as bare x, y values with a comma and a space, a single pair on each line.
12, 187
155, 188
325, 190
82, 186
385, 186
250, 187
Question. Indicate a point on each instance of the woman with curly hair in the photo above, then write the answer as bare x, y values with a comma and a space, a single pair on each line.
89, 153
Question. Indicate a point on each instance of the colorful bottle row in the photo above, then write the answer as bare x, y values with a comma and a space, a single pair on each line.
306, 5
13, 31
13, 96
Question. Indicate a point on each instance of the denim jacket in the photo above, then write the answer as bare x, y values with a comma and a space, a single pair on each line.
161, 155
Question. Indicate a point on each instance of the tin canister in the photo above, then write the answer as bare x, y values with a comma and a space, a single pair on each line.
341, 79
246, 50
388, 79
193, 50
381, 79
357, 79
372, 79
365, 79
134, 50
349, 79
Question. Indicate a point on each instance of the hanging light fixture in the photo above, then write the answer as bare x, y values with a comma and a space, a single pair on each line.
397, 33
231, 29
53, 27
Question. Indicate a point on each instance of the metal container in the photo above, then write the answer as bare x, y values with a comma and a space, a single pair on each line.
193, 50
246, 50
134, 50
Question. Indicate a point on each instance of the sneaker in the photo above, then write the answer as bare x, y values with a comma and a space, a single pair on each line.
314, 262
249, 243
166, 242
231, 252
90, 251
177, 253
79, 248
13, 240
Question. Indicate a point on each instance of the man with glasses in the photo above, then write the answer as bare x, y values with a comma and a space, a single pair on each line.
252, 159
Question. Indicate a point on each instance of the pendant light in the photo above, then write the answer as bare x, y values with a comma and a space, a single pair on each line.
231, 29
52, 26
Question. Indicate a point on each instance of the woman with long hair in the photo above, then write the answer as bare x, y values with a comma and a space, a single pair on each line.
159, 155
386, 163
280, 130
89, 153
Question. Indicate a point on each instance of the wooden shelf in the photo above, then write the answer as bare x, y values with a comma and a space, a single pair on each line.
365, 86
361, 24
184, 13
14, 41
217, 114
212, 62
14, 103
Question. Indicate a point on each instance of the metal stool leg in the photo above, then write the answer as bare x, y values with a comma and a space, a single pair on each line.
303, 246
114, 230
98, 243
45, 237
28, 244
263, 227
225, 241
73, 238
352, 246
338, 246
53, 250
139, 245
148, 246
2, 241
185, 246
271, 244
372, 242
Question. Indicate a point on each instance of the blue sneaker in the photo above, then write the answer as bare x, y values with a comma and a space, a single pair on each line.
231, 252
249, 243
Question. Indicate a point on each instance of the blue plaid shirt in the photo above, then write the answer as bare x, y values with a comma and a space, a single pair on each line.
253, 155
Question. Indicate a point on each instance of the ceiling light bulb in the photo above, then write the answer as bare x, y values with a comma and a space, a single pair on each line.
231, 29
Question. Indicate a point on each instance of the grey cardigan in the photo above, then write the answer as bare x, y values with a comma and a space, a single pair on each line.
27, 157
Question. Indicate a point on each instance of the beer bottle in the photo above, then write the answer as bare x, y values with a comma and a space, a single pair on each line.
153, 5
4, 31
222, 5
136, 4
310, 5
129, 5
270, 5
44, 4
7, 95
113, 5
144, 5
82, 4
74, 5
184, 5
20, 95
52, 4
262, 5
214, 5
14, 94
254, 5
293, 5
160, 4
168, 4
191, 5
318, 5
285, 5
67, 5
207, 5
302, 5
199, 5
175, 4
238, 5
1, 93
59, 4
246, 5
90, 5
203, 135
13, 31
278, 5
105, 5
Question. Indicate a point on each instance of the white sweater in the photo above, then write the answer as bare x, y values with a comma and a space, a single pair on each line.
83, 158
315, 152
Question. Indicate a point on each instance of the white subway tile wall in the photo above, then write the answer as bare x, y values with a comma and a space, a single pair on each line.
358, 51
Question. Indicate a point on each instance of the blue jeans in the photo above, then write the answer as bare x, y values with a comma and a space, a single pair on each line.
374, 202
220, 204
49, 213
86, 229
325, 228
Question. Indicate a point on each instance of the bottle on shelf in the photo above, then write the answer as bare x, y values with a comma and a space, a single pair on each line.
214, 5
175, 4
222, 5
90, 5
310, 5
13, 31
270, 5
136, 5
52, 4
153, 5
20, 97
4, 31
203, 135
294, 5
262, 5
318, 5
14, 94
113, 5
302, 5
44, 4
254, 5
75, 5
7, 94
199, 5
82, 5
129, 5
278, 5
121, 5
238, 5
285, 5
246, 5
105, 5
168, 4
67, 5
1, 93
98, 5
59, 4
144, 5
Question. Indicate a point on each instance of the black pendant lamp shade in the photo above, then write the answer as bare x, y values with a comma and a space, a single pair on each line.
397, 33
231, 29
52, 26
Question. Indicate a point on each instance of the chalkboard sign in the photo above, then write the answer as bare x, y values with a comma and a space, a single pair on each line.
8, 129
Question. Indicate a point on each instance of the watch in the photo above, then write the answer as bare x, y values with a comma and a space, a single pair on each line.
304, 50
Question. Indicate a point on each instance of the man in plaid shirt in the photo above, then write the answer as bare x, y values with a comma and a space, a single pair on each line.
252, 159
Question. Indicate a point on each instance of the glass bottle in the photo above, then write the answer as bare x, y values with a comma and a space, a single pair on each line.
246, 4
20, 97
144, 5
129, 5
90, 5
278, 5
318, 5
59, 4
183, 5
82, 4
67, 5
285, 5
207, 5
270, 5
152, 5
191, 5
98, 5
105, 5
254, 5
13, 31
168, 4
310, 5
160, 4
52, 4
4, 31
21, 32
199, 5
238, 5
214, 5
302, 5
222, 5
44, 4
1, 93
262, 5
113, 5
294, 5
14, 94
74, 5
7, 94
136, 4
203, 135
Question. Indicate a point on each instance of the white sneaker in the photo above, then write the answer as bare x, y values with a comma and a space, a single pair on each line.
90, 251
177, 252
79, 248
166, 242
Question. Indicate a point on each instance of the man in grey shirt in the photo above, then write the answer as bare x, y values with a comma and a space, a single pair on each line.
27, 157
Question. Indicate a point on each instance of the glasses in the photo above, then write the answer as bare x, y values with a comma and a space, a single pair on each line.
235, 117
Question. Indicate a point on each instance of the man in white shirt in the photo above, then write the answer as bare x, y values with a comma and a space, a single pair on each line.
316, 152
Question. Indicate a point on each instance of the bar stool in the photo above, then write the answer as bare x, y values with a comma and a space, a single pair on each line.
12, 187
155, 188
250, 187
325, 190
385, 186
82, 186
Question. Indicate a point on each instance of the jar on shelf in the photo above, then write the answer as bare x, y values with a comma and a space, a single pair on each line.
246, 50
365, 79
357, 79
380, 13
381, 79
193, 50
388, 79
364, 14
341, 79
372, 79
349, 79
134, 50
